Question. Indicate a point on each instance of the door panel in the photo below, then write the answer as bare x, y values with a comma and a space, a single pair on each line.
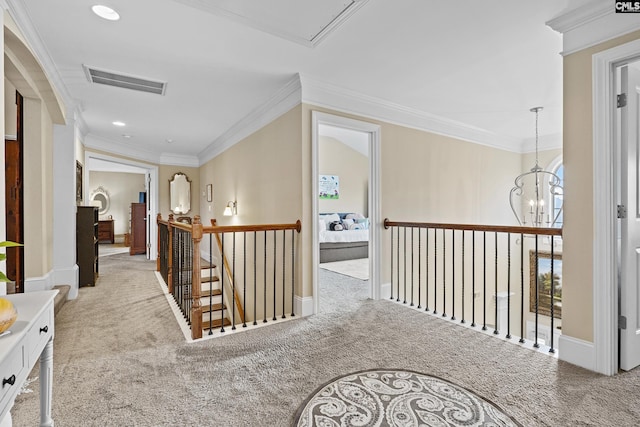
14, 202
630, 225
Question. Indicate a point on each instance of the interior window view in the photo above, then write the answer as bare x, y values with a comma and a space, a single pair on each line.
303, 213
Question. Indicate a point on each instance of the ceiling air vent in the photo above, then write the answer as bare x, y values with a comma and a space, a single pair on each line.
111, 78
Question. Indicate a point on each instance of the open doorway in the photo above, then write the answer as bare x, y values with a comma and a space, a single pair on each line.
346, 209
125, 184
343, 225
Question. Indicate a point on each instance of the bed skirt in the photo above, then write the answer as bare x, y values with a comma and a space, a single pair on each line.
330, 252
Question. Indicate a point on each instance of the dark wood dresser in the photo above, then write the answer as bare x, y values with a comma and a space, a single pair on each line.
105, 231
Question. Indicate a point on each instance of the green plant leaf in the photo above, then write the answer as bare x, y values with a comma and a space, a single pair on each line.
3, 277
9, 244
3, 257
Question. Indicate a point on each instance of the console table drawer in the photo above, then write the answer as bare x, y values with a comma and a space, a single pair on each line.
40, 333
12, 372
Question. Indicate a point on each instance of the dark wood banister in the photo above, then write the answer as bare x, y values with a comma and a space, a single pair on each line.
475, 227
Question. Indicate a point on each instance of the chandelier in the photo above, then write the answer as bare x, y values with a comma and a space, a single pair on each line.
537, 194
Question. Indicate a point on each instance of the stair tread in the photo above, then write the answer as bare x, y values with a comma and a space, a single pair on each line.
215, 323
213, 293
209, 279
213, 307
205, 264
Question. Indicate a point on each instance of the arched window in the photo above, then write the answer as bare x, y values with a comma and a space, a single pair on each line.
556, 202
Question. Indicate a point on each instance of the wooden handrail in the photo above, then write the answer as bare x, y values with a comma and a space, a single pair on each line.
244, 228
476, 227
228, 269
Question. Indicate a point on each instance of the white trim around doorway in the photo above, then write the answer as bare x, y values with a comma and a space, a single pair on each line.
152, 207
605, 274
374, 131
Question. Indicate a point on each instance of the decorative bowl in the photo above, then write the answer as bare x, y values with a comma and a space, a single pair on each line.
8, 314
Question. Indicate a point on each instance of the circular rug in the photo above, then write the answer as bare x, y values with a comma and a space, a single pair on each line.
397, 398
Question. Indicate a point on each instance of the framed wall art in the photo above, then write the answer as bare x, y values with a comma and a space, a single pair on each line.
545, 282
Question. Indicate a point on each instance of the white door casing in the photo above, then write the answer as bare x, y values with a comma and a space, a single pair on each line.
374, 132
630, 222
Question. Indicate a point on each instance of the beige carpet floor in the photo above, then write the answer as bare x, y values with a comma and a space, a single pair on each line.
121, 360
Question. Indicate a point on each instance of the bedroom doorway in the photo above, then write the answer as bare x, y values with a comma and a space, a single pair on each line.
345, 195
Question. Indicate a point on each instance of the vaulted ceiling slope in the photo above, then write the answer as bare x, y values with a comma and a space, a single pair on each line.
473, 65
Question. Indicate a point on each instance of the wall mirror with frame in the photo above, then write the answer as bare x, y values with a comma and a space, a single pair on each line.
100, 199
180, 193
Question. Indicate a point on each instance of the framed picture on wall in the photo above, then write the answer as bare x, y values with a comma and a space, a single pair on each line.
329, 186
209, 192
545, 281
78, 181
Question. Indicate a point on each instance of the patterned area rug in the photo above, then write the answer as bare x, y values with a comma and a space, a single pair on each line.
397, 398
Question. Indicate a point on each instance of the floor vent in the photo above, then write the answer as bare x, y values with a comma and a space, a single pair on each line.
111, 78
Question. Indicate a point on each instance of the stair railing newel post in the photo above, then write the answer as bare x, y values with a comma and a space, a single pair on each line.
170, 254
158, 254
196, 308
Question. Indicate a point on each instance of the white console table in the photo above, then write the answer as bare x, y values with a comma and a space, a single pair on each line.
31, 338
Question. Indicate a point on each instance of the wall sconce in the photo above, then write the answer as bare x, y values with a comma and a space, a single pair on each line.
231, 209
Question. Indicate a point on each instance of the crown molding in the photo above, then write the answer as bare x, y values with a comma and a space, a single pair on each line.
175, 159
302, 88
21, 17
347, 101
117, 148
592, 24
545, 142
282, 101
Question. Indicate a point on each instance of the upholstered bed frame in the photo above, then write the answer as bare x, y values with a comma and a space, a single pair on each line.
330, 252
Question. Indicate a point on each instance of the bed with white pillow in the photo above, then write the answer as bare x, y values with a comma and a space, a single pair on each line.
343, 236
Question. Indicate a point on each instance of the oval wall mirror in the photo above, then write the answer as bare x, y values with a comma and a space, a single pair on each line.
180, 193
100, 199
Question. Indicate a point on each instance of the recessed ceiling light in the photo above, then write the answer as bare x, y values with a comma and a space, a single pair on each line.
118, 123
126, 136
169, 140
105, 12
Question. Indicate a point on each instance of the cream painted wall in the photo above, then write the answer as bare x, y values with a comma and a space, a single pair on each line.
123, 189
352, 168
262, 173
38, 189
165, 173
545, 158
10, 108
578, 211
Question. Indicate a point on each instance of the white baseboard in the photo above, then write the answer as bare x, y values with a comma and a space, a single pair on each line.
43, 283
68, 276
577, 352
385, 290
303, 306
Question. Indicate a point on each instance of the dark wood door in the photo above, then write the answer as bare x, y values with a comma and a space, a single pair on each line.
138, 229
14, 202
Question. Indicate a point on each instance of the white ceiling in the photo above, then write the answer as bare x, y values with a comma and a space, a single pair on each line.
483, 64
